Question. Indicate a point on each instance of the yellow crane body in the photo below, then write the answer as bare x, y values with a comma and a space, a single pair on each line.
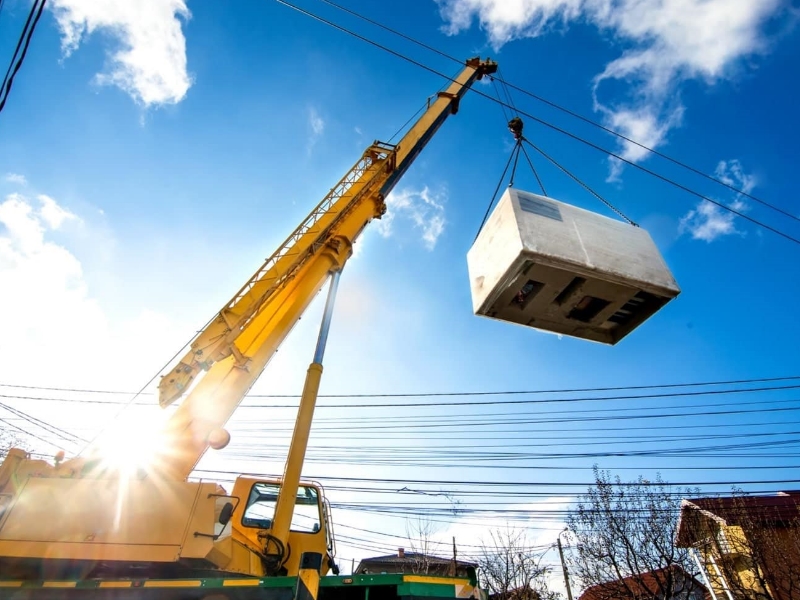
82, 522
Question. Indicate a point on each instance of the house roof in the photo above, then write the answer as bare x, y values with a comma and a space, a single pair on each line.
642, 585
413, 557
407, 562
775, 511
520, 593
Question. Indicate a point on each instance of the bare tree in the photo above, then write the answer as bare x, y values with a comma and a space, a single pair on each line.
772, 541
749, 544
9, 438
623, 541
510, 570
421, 534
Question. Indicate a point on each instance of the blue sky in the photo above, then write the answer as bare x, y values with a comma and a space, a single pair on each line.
153, 155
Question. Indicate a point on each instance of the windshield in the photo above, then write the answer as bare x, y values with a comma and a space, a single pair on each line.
261, 508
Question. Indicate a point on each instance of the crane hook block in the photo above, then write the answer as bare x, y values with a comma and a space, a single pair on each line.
515, 127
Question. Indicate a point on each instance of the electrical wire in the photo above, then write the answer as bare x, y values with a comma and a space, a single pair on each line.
28, 433
533, 401
663, 178
411, 118
19, 56
569, 112
451, 450
133, 398
584, 419
580, 390
61, 433
593, 411
503, 484
551, 126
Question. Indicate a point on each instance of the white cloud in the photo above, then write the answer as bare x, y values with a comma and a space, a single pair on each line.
315, 122
42, 282
56, 320
150, 61
316, 125
424, 208
667, 43
731, 173
708, 221
16, 179
52, 214
642, 124
57, 332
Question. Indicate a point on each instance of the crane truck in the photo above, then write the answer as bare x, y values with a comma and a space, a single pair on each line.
82, 528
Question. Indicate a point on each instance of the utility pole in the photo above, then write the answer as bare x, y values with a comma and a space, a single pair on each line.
564, 567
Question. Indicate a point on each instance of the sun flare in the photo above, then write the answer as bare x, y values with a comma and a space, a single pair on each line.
133, 443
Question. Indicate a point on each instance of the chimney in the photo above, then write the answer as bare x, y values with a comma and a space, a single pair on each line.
401, 553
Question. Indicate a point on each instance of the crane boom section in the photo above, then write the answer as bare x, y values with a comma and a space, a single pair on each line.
215, 341
236, 346
154, 522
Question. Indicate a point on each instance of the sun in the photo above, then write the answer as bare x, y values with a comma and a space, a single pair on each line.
132, 442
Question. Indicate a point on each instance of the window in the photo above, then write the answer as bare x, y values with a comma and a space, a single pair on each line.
527, 293
261, 508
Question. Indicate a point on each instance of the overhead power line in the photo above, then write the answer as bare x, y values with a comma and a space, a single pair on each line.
21, 50
567, 111
547, 484
363, 405
561, 130
466, 393
52, 429
28, 433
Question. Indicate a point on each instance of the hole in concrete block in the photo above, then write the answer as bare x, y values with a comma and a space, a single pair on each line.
527, 293
571, 288
587, 309
640, 301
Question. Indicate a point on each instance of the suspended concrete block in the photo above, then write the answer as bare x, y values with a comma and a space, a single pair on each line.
558, 268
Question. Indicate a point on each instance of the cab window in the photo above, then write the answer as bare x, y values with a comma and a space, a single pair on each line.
261, 504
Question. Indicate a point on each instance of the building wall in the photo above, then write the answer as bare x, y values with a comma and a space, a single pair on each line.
739, 565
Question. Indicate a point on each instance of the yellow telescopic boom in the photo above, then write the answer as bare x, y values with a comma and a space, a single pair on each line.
82, 516
238, 343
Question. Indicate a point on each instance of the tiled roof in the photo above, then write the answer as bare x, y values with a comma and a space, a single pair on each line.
776, 511
763, 509
644, 585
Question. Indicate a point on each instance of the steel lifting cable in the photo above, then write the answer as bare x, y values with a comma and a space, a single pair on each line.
581, 183
535, 174
514, 152
507, 91
516, 125
518, 146
499, 99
